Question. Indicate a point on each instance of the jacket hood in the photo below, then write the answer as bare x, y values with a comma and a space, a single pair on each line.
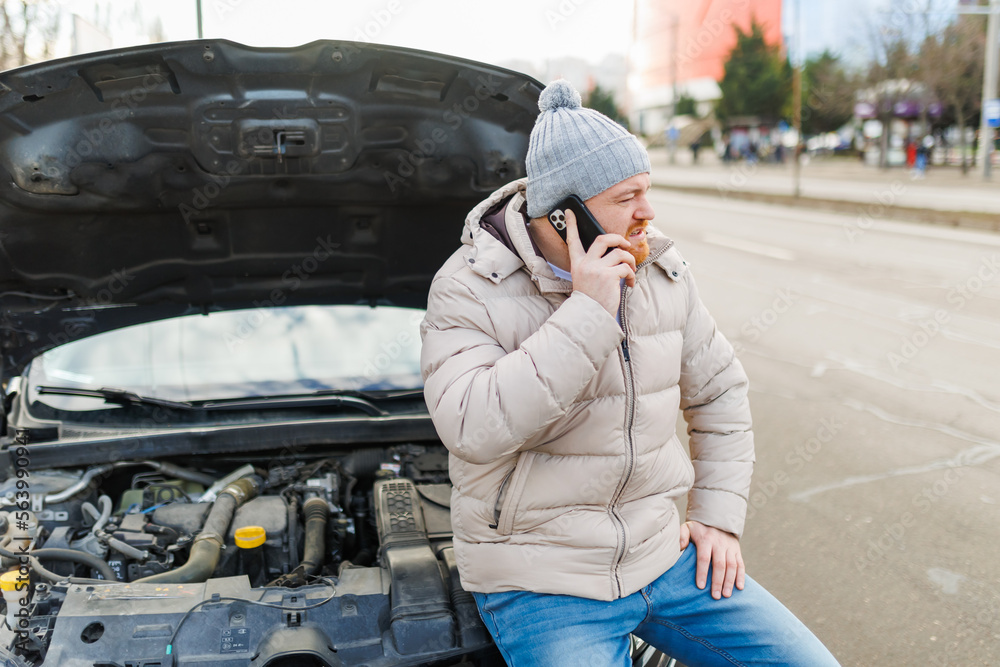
161, 180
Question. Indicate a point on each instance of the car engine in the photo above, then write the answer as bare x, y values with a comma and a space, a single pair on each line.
342, 560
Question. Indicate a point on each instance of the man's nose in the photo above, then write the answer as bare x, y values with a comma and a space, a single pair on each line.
645, 210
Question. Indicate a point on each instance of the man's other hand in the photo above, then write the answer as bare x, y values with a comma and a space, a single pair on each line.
595, 273
721, 551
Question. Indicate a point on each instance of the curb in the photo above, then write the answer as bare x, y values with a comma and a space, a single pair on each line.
968, 219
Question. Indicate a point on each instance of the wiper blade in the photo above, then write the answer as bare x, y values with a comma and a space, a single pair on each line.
359, 400
116, 396
375, 395
296, 401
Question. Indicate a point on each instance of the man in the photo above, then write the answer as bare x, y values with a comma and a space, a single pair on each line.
554, 377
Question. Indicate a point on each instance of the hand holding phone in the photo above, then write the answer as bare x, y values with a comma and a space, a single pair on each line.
587, 226
597, 277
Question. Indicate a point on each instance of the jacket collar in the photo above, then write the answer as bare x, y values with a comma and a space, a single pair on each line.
494, 260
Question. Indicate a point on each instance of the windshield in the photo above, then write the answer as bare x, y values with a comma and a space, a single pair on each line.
236, 354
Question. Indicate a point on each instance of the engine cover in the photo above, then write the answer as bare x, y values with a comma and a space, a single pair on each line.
138, 620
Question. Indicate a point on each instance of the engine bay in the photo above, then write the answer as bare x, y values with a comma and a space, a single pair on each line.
344, 559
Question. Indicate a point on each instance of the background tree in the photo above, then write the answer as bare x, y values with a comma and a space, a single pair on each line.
602, 100
686, 106
951, 65
757, 79
891, 78
27, 31
828, 92
894, 72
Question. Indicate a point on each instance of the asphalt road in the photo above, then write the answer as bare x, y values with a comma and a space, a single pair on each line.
873, 349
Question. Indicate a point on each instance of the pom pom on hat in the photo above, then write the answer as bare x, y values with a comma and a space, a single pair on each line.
560, 94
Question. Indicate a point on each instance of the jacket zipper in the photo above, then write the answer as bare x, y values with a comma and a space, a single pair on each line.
629, 424
497, 506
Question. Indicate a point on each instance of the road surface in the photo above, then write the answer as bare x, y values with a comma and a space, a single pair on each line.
873, 349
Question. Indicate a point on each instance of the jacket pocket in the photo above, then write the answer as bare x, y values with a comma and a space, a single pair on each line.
514, 486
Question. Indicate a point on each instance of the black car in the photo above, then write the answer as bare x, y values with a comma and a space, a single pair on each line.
213, 260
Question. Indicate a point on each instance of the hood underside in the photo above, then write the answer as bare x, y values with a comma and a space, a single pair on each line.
161, 180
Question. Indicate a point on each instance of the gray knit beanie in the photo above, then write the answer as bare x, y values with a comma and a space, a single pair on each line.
575, 150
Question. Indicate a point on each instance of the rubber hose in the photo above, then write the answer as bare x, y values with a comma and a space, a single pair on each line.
317, 512
182, 473
364, 462
101, 516
204, 556
65, 556
48, 575
69, 492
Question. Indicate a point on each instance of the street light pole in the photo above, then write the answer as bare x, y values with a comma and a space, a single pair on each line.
671, 130
796, 101
198, 8
990, 74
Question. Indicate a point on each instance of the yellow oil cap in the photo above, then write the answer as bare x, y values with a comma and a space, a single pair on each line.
249, 537
10, 580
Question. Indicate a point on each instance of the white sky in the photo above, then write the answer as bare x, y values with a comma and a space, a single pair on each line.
492, 31
486, 30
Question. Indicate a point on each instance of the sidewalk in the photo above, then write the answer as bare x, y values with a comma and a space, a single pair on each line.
944, 196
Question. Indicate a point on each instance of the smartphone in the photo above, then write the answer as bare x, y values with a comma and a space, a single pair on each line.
586, 225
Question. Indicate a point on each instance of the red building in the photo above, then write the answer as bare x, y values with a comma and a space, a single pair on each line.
685, 43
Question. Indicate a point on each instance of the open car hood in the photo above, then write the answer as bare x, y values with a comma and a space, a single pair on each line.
150, 182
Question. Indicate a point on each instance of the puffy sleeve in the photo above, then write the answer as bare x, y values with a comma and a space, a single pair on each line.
717, 410
487, 403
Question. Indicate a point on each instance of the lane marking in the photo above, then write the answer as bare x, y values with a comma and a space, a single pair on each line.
935, 386
984, 451
749, 246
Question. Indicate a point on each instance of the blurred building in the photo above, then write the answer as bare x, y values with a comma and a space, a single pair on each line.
680, 48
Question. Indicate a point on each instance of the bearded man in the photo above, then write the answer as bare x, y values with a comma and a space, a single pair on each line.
554, 375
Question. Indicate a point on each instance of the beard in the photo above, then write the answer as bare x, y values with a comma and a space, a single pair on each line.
640, 250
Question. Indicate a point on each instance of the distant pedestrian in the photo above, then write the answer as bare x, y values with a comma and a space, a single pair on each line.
911, 153
923, 155
695, 147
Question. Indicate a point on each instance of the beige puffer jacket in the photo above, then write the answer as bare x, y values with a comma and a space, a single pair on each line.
561, 428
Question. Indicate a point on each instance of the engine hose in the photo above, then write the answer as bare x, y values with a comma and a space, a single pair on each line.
161, 466
317, 513
179, 472
48, 575
364, 462
204, 556
100, 517
65, 556
88, 477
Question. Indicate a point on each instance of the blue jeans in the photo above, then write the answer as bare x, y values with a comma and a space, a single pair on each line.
672, 614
